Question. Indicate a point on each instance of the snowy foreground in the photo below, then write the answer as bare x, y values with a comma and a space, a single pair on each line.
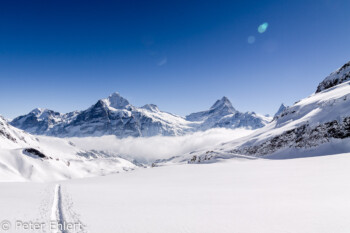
236, 195
219, 180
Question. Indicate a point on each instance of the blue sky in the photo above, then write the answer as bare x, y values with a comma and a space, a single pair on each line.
180, 55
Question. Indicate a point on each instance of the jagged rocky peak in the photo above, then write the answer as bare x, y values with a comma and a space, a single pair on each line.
339, 76
224, 102
114, 115
151, 107
220, 108
280, 110
116, 101
223, 115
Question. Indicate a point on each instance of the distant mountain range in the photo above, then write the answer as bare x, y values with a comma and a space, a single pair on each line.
318, 124
116, 116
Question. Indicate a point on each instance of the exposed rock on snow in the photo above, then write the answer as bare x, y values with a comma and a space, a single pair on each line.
337, 77
35, 152
280, 110
301, 137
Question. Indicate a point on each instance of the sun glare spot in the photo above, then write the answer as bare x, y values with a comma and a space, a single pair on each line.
263, 27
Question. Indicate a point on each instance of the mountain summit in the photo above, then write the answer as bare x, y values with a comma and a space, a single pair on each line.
223, 115
116, 101
223, 103
115, 115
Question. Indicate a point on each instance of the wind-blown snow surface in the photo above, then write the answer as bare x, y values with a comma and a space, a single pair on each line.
306, 195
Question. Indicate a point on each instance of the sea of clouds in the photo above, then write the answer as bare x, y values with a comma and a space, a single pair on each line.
148, 149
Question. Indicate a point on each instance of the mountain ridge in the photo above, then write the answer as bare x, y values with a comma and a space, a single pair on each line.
321, 120
115, 115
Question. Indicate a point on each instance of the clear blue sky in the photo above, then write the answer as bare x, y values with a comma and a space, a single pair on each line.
180, 55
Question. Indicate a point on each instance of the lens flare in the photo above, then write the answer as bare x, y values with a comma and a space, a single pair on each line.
251, 39
263, 27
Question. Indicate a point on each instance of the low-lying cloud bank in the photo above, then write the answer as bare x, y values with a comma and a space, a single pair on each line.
148, 149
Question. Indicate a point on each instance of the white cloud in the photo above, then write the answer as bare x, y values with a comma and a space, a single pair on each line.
148, 149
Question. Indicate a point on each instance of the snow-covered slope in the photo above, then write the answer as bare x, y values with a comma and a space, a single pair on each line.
280, 110
322, 117
315, 125
11, 137
306, 195
116, 116
24, 157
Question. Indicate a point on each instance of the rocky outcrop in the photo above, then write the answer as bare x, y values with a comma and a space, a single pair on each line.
337, 77
301, 137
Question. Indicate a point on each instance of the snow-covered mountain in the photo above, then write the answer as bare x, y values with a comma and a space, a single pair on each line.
316, 125
223, 115
10, 137
40, 120
39, 158
111, 116
116, 116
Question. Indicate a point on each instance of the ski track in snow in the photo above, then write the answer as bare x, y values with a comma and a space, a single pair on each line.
63, 214
56, 214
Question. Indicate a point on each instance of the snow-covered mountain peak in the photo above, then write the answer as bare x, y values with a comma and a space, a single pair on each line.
151, 107
224, 102
116, 101
339, 76
38, 111
223, 115
43, 113
114, 115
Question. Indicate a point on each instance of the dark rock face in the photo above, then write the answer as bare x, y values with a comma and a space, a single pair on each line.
301, 137
33, 151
